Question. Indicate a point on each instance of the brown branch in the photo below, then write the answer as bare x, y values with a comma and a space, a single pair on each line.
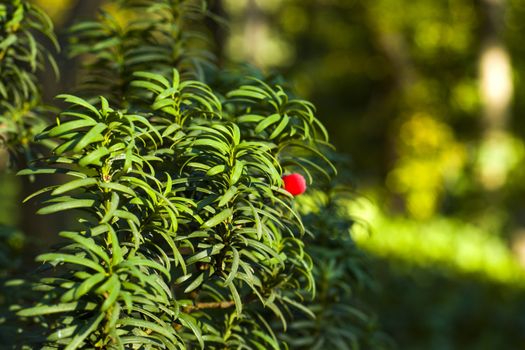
202, 306
209, 305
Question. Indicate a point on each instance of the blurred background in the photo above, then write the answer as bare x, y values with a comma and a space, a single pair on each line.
426, 97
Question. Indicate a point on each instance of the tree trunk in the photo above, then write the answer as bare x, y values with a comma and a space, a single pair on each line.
496, 89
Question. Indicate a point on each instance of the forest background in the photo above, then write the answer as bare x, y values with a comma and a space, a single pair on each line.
425, 100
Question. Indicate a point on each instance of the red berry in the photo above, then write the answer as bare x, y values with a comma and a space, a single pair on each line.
294, 183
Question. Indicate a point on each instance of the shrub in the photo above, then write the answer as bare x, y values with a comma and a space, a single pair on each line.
21, 56
184, 236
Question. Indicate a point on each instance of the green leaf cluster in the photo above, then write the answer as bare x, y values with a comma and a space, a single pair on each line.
342, 320
22, 55
181, 216
184, 237
139, 35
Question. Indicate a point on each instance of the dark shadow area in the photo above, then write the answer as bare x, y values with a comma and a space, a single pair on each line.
434, 309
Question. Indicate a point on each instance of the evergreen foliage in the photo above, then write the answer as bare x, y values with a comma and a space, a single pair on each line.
184, 237
22, 55
182, 212
342, 321
141, 35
